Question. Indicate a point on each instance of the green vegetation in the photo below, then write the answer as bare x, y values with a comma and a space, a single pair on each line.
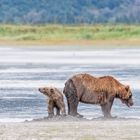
67, 32
69, 11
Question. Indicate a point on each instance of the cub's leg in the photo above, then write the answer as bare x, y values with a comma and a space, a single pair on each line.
57, 110
61, 106
63, 111
50, 109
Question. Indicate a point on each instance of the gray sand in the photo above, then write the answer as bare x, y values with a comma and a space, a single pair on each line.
72, 129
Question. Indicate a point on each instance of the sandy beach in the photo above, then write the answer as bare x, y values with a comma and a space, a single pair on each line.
72, 130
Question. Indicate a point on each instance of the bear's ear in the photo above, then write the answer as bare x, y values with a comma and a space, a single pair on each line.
52, 90
127, 88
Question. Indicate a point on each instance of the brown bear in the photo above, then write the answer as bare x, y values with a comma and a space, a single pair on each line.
91, 90
55, 100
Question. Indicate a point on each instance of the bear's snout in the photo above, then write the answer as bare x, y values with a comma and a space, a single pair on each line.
41, 90
131, 103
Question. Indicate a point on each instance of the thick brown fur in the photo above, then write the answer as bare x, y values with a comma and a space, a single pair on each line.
102, 90
55, 100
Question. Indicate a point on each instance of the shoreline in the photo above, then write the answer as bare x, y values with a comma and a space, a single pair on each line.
83, 43
67, 118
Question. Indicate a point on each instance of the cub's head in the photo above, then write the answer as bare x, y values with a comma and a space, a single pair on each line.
125, 95
48, 91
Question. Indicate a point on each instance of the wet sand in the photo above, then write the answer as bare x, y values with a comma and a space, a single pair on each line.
97, 129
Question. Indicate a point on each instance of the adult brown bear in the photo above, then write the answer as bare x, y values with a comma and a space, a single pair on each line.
91, 90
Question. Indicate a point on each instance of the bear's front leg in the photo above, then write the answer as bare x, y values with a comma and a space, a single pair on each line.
106, 111
106, 108
50, 109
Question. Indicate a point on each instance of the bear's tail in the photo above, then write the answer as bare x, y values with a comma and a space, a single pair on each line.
71, 95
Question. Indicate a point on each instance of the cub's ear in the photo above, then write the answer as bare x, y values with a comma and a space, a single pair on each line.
52, 90
127, 87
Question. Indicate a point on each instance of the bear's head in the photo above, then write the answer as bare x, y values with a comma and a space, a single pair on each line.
48, 91
125, 95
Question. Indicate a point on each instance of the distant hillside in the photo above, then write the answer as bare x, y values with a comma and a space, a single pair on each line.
69, 11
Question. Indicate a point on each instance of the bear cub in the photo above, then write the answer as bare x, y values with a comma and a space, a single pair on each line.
55, 101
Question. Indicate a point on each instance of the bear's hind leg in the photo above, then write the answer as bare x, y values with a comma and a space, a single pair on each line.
61, 108
72, 99
72, 108
73, 105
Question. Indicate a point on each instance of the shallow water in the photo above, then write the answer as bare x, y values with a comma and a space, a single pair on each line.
24, 69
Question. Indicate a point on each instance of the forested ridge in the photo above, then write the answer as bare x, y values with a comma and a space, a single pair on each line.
69, 11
